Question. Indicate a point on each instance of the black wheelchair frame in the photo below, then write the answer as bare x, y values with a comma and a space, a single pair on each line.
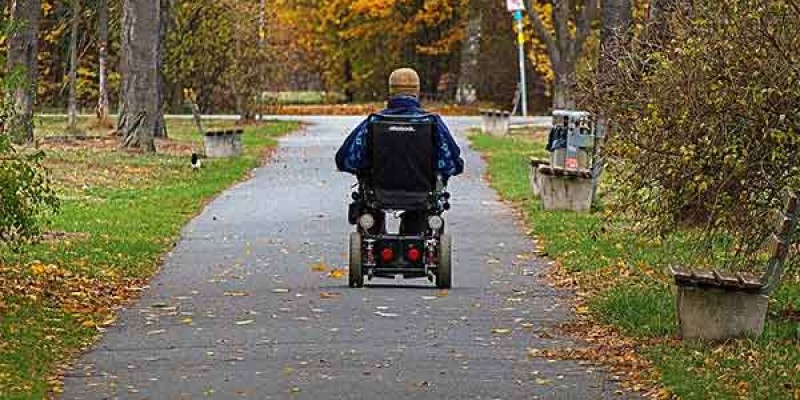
373, 251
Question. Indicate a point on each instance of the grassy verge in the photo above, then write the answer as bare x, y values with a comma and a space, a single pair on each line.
622, 275
120, 213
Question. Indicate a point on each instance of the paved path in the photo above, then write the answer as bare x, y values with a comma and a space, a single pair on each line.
238, 311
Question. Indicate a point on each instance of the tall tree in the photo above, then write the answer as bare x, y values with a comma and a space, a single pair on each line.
141, 114
563, 46
22, 52
102, 31
72, 110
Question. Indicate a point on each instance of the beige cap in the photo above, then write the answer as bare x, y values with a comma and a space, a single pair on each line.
404, 81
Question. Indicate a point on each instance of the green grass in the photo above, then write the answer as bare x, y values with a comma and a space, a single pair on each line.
121, 213
625, 272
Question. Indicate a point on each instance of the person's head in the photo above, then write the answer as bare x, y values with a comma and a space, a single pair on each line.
404, 81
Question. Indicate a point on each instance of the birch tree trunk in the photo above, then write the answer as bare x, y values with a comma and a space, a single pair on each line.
22, 52
102, 29
72, 108
141, 114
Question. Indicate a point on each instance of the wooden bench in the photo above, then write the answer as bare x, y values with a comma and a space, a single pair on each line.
495, 122
223, 143
714, 304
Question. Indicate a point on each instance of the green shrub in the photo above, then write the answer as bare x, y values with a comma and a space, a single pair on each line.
705, 115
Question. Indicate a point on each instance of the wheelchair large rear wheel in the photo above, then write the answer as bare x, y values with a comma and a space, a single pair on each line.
444, 277
356, 273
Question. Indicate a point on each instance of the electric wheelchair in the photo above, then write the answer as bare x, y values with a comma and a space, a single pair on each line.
401, 177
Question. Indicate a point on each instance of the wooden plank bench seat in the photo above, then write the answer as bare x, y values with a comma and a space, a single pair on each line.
714, 278
556, 171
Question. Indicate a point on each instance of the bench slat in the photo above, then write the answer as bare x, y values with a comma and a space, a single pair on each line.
748, 280
704, 276
726, 278
791, 203
779, 249
681, 274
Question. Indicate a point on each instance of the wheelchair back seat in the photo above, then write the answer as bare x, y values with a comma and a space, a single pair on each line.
403, 160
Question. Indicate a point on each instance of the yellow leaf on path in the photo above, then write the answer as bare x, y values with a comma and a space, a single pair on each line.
442, 293
336, 273
187, 321
319, 267
329, 295
501, 331
236, 294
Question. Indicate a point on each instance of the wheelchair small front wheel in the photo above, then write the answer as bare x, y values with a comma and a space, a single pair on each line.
356, 273
444, 277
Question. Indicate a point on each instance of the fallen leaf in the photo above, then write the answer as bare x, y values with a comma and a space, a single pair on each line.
319, 267
156, 332
329, 295
442, 293
245, 322
236, 294
336, 274
280, 290
186, 321
386, 315
501, 331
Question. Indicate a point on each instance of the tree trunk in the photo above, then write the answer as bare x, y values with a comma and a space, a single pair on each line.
563, 46
466, 92
563, 88
141, 113
164, 27
72, 109
102, 98
22, 52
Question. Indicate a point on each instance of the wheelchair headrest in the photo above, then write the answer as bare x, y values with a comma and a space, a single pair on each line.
403, 155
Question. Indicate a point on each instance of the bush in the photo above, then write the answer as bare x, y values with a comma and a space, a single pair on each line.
26, 196
704, 108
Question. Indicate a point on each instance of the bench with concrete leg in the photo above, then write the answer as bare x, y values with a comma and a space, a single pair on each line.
495, 122
567, 182
716, 305
533, 174
223, 143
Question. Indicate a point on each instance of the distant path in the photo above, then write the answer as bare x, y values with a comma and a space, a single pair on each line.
238, 311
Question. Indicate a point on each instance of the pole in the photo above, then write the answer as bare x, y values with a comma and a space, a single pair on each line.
521, 41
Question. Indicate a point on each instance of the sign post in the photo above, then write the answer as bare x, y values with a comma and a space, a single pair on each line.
516, 7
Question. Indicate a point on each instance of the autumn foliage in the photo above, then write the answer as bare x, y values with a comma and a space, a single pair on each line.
705, 114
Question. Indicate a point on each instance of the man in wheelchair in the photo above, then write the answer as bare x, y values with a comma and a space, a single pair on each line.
403, 158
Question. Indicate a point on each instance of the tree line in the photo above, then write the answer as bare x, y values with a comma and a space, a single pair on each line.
223, 55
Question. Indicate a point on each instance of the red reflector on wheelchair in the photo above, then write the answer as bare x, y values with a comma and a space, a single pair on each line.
387, 254
414, 255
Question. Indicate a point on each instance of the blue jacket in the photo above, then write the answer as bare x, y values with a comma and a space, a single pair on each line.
350, 157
